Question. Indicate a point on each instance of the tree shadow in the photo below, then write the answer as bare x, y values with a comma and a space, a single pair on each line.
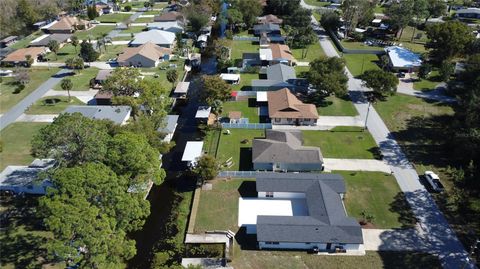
22, 250
377, 154
400, 206
245, 160
409, 259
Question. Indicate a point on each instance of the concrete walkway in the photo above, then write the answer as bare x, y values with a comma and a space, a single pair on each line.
441, 240
356, 165
405, 86
303, 63
16, 111
37, 118
393, 240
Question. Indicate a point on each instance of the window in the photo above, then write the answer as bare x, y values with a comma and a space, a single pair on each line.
277, 120
269, 194
272, 243
289, 119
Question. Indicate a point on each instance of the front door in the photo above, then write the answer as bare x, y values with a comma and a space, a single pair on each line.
329, 246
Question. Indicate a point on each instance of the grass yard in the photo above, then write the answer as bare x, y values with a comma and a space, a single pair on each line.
317, 3
94, 32
114, 17
162, 74
359, 63
8, 95
335, 106
24, 42
430, 83
122, 38
133, 29
247, 259
348, 44
144, 19
112, 52
247, 112
346, 143
52, 105
231, 146
218, 208
240, 47
151, 12
81, 81
245, 82
16, 139
379, 195
67, 51
312, 52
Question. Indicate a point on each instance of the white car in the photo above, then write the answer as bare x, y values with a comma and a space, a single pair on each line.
94, 22
434, 181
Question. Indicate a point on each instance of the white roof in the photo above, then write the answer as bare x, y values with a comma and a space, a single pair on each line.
230, 77
39, 38
250, 208
377, 21
49, 25
265, 54
182, 87
360, 30
203, 112
192, 151
117, 114
169, 26
469, 10
402, 57
158, 37
202, 38
262, 97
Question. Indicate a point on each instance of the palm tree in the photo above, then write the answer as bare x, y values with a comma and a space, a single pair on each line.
99, 44
67, 85
104, 35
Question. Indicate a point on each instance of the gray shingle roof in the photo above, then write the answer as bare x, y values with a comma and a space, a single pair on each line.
268, 27
170, 124
326, 221
60, 38
280, 72
284, 147
24, 175
116, 114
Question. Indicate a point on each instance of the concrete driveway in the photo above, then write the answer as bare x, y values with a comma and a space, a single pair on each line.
393, 240
356, 165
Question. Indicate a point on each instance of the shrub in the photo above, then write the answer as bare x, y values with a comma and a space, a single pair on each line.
128, 8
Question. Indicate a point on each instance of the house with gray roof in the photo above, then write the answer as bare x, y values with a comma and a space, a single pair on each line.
158, 37
24, 179
278, 76
284, 151
169, 125
117, 114
301, 211
45, 39
268, 28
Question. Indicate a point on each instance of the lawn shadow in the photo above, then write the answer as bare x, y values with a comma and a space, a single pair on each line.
400, 205
22, 250
245, 160
248, 189
252, 102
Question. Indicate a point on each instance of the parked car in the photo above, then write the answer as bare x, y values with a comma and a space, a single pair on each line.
434, 181
401, 75
94, 22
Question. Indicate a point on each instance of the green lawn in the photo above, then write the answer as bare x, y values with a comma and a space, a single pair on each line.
349, 144
133, 29
240, 47
144, 19
112, 52
52, 105
24, 42
122, 38
348, 44
418, 45
95, 32
231, 146
245, 82
317, 3
247, 112
81, 81
8, 97
335, 106
218, 208
312, 52
429, 83
67, 51
162, 74
114, 17
377, 194
359, 63
379, 9
16, 139
151, 12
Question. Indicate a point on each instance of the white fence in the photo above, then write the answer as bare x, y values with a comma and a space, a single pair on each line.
247, 125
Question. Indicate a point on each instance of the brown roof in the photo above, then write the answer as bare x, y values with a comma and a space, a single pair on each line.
280, 51
148, 50
19, 55
283, 104
270, 18
103, 95
169, 16
236, 115
67, 23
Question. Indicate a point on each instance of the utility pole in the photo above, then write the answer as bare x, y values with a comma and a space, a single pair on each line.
370, 100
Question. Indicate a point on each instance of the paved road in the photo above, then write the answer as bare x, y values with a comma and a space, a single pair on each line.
441, 240
16, 111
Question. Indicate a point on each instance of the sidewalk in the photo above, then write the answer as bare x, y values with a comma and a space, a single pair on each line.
37, 118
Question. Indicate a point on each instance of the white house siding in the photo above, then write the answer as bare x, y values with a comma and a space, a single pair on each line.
139, 60
283, 195
287, 166
290, 121
320, 246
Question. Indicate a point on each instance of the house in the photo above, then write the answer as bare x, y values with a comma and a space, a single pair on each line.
158, 37
468, 13
269, 18
283, 151
181, 90
250, 59
118, 114
281, 54
169, 26
269, 28
43, 40
68, 25
278, 77
18, 57
203, 114
230, 78
7, 41
146, 55
169, 127
235, 116
102, 75
103, 98
302, 211
402, 59
284, 108
24, 179
193, 150
266, 40
169, 16
202, 41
